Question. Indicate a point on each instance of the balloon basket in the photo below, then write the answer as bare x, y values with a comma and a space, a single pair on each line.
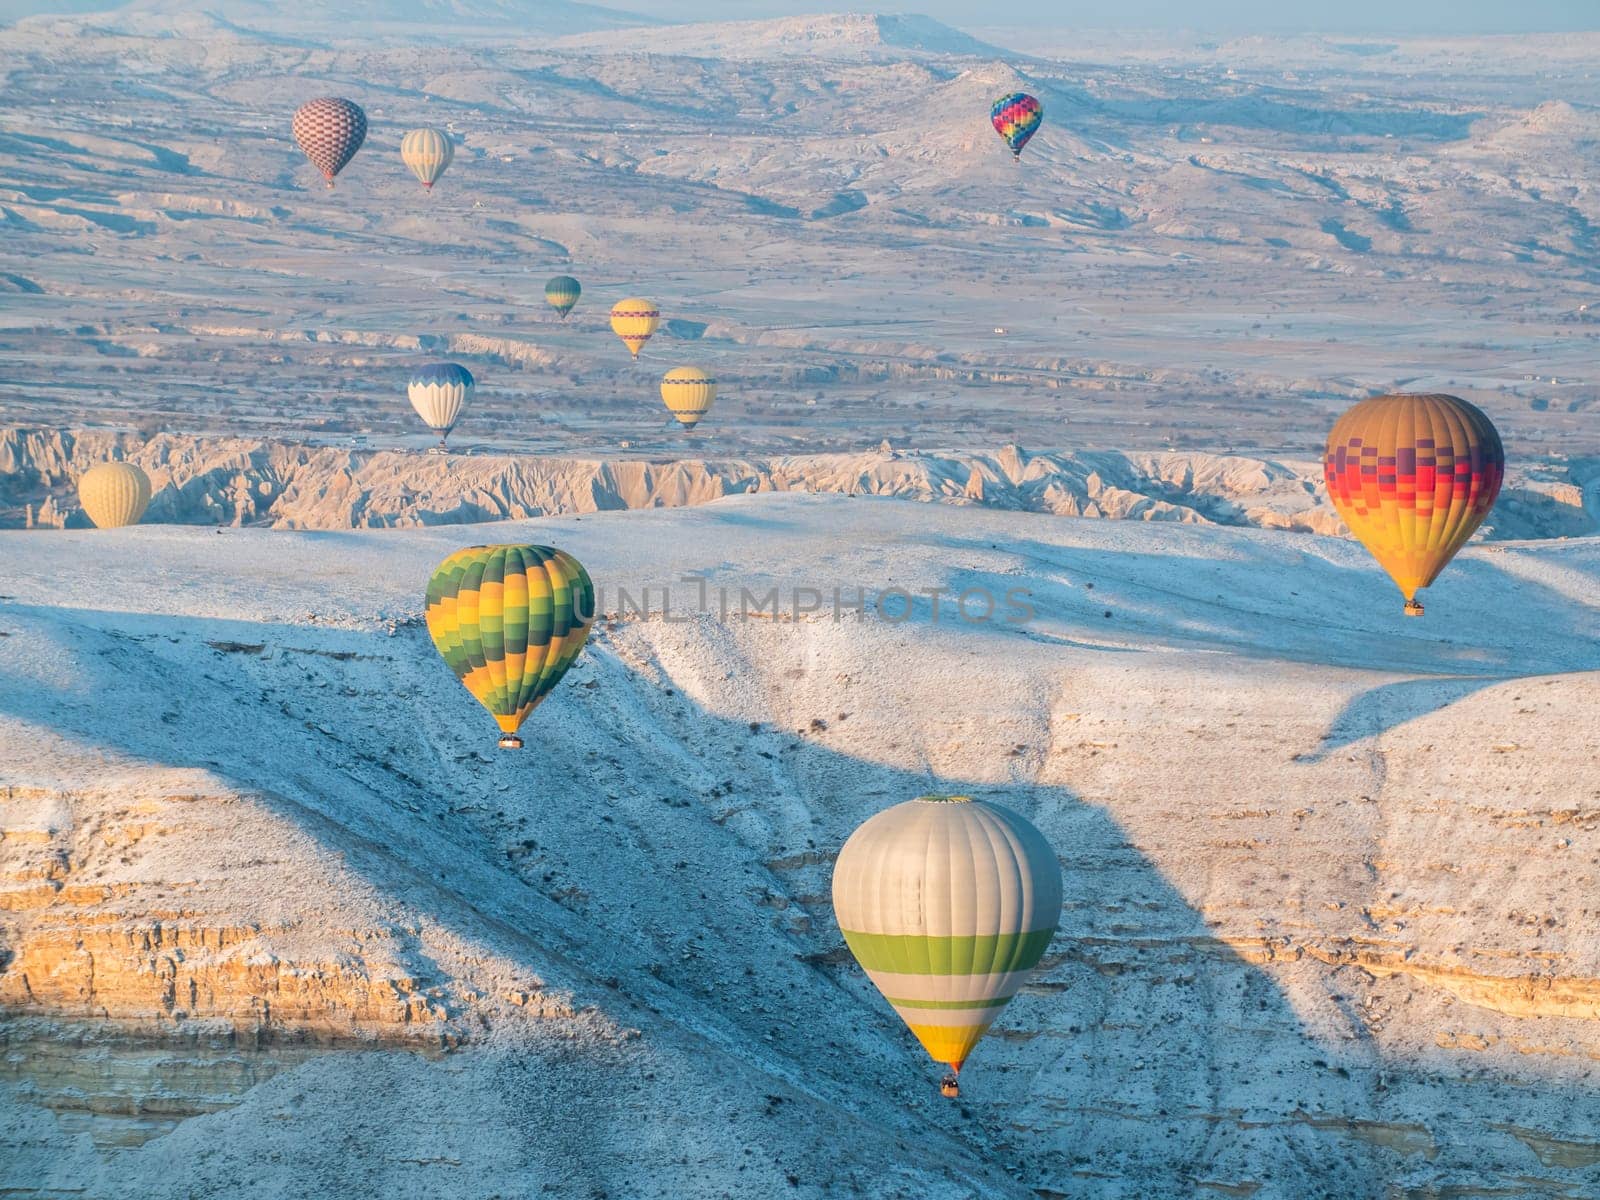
1413, 609
510, 741
950, 1087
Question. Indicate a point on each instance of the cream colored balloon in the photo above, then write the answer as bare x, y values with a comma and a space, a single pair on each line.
948, 904
439, 391
427, 152
114, 494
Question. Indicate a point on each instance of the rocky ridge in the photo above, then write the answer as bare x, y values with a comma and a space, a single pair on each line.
243, 481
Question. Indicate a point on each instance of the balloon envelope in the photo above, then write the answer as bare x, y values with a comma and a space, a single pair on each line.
509, 620
688, 393
438, 391
562, 293
1016, 117
948, 904
329, 130
634, 320
427, 152
114, 494
1414, 477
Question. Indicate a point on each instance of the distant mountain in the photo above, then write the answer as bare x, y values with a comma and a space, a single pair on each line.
464, 17
15, 10
833, 35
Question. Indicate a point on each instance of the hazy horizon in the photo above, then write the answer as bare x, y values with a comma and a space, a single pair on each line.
1233, 17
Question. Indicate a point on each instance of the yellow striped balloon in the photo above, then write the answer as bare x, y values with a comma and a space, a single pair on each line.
427, 152
114, 494
634, 320
688, 392
948, 904
509, 620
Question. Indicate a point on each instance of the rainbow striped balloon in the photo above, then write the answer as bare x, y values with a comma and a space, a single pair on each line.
948, 904
1414, 476
1016, 118
509, 621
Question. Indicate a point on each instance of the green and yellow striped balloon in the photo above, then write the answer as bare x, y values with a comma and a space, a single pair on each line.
509, 621
948, 904
562, 293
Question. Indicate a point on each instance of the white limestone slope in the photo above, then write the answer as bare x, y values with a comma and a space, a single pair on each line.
1328, 870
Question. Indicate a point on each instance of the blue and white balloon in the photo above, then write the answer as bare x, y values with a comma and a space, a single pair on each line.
438, 391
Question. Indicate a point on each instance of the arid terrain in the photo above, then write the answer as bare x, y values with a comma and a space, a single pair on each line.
1329, 871
1216, 252
277, 919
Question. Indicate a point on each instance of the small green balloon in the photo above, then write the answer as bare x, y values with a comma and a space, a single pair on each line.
562, 293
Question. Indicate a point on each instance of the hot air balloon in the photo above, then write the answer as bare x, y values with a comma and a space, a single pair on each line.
634, 320
1413, 477
688, 393
509, 620
1016, 118
437, 391
330, 130
562, 293
427, 152
114, 494
948, 904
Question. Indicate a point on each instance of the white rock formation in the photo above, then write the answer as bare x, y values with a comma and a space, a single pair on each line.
236, 481
1329, 870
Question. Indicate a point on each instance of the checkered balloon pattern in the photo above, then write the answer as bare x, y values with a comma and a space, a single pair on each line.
1016, 118
330, 131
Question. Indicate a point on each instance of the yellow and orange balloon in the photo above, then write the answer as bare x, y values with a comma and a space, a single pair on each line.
1414, 476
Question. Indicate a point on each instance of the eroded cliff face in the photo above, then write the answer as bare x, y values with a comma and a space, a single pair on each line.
159, 908
240, 481
1328, 871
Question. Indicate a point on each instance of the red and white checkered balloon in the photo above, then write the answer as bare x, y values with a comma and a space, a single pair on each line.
330, 131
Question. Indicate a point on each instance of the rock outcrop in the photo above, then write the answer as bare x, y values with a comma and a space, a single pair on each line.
239, 481
1328, 876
